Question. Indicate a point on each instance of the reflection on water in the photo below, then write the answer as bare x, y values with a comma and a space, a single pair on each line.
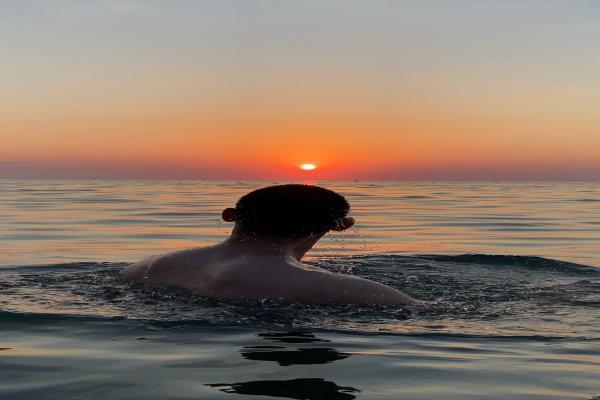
297, 356
292, 357
74, 359
291, 337
302, 389
70, 221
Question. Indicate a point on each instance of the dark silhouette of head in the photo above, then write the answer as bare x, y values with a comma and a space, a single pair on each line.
285, 211
301, 389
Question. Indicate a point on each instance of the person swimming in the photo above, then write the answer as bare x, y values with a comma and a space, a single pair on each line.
274, 228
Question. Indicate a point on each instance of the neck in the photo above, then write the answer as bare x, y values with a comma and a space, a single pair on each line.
295, 247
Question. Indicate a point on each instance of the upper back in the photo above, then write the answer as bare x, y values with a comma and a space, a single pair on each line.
209, 271
214, 272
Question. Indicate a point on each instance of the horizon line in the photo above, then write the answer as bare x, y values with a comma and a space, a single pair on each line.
525, 180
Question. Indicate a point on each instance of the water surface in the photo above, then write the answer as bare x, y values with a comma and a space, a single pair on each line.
508, 271
60, 221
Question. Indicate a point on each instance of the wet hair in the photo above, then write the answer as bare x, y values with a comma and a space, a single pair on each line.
283, 211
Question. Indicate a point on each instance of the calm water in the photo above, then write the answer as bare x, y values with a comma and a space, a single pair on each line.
71, 221
518, 317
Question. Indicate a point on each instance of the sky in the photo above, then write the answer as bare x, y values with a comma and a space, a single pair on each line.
250, 89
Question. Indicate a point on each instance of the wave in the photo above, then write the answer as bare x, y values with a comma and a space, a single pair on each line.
125, 324
526, 262
472, 259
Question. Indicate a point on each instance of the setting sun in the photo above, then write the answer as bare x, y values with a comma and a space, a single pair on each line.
308, 167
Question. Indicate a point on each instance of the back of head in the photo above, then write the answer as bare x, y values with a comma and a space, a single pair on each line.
283, 211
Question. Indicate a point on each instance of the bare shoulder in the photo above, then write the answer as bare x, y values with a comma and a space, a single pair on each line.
349, 289
155, 266
136, 271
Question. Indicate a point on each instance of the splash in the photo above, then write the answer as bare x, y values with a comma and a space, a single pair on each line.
471, 294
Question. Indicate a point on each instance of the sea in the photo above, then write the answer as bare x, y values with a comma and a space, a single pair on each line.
509, 272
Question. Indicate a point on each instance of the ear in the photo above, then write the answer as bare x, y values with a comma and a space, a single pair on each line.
229, 215
344, 223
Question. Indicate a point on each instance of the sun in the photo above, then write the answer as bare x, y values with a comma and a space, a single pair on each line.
308, 167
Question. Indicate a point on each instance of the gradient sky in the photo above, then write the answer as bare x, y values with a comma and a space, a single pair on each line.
250, 89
